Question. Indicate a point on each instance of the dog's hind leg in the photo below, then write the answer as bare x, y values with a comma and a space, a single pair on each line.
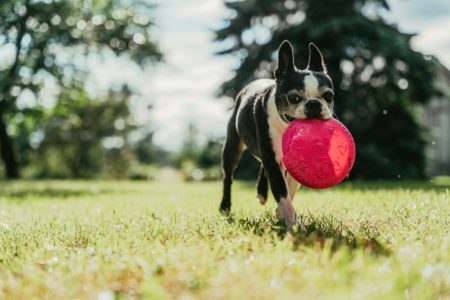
262, 187
231, 154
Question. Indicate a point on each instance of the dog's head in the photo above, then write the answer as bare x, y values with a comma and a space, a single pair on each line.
303, 94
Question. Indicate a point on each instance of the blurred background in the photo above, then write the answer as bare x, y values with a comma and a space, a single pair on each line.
137, 89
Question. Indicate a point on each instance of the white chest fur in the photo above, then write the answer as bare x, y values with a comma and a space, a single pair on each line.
276, 128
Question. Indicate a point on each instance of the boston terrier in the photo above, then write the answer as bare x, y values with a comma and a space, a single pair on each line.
263, 110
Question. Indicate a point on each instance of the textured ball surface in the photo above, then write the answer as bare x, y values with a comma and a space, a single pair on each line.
318, 153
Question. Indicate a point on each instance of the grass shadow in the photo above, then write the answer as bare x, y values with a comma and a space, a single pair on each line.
427, 185
327, 229
320, 231
46, 193
438, 184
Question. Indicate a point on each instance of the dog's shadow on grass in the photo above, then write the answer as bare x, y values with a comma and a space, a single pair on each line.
319, 231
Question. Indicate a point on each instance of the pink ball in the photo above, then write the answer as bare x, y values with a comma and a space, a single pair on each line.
318, 153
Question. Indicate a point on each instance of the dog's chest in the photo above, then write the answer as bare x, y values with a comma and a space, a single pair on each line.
276, 128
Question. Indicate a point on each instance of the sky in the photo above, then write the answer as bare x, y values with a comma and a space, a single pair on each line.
183, 89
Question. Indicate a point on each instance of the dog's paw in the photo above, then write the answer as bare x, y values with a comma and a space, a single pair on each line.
224, 210
261, 199
301, 227
278, 214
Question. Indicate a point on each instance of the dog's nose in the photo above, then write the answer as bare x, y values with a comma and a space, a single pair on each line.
313, 107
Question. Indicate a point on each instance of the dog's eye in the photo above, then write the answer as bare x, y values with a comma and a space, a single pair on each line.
328, 96
294, 98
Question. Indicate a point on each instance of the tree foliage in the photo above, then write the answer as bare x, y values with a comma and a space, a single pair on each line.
378, 77
39, 33
83, 137
148, 153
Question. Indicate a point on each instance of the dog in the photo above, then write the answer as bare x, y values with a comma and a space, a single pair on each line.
263, 110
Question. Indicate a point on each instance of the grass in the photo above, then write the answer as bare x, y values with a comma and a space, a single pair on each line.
161, 240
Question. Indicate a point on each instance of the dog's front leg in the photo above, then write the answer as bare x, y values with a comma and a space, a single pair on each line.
272, 168
280, 191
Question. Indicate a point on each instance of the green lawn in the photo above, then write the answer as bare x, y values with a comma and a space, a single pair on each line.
158, 240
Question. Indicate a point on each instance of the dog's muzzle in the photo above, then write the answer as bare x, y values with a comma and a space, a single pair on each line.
313, 109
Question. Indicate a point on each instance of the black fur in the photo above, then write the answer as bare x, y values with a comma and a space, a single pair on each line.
315, 59
262, 186
271, 166
231, 154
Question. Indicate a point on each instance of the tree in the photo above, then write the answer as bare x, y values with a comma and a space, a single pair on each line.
148, 153
83, 137
38, 32
378, 77
210, 154
190, 148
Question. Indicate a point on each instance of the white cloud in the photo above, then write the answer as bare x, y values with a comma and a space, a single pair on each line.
430, 20
184, 88
107, 70
414, 15
434, 39
207, 115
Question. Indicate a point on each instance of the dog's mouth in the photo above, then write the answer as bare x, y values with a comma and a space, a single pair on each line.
289, 118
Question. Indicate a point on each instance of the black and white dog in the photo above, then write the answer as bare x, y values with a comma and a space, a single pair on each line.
262, 112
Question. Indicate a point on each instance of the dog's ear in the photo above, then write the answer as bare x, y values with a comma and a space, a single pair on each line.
315, 60
285, 59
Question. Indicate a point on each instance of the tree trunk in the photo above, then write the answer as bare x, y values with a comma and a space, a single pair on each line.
7, 152
6, 145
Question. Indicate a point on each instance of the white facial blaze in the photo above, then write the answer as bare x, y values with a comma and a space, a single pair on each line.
311, 86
